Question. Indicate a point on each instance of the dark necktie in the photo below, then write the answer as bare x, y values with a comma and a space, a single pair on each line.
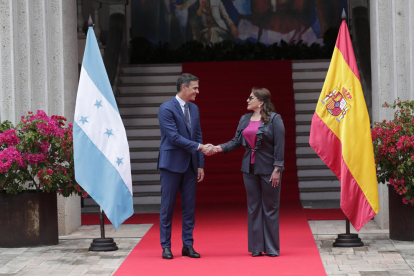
187, 116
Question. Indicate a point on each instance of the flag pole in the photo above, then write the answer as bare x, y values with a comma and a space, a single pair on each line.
347, 239
101, 244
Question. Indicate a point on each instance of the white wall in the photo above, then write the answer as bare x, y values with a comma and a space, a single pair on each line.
392, 50
38, 63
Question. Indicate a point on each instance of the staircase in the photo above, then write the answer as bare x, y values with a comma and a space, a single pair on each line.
316, 180
143, 88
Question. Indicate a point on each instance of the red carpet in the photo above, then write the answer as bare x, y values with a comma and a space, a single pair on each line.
324, 214
220, 234
221, 238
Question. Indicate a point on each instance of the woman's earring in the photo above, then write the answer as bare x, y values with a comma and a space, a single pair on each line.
259, 105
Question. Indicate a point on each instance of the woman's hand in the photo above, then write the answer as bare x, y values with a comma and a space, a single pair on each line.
275, 178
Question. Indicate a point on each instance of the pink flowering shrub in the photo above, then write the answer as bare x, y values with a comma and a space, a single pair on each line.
394, 149
38, 152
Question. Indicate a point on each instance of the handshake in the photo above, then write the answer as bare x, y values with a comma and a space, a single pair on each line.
210, 149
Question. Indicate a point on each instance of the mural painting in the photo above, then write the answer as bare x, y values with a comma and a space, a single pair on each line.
212, 21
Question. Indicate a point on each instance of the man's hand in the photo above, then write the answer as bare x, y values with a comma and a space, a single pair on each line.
209, 149
234, 31
200, 176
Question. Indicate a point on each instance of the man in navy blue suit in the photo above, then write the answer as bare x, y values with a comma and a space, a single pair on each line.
181, 162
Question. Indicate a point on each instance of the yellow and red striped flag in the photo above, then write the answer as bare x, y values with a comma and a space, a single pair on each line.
341, 135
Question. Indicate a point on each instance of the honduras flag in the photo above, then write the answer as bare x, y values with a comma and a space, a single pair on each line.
101, 151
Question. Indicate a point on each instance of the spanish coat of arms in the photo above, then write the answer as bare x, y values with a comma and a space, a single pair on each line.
336, 103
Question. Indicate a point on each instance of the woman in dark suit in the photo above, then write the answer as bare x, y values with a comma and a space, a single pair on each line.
263, 135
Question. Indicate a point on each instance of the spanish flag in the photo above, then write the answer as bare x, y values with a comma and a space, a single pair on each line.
341, 135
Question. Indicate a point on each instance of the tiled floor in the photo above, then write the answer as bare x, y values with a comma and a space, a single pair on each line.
71, 255
379, 256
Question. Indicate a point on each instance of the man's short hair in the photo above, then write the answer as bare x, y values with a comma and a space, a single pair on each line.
185, 79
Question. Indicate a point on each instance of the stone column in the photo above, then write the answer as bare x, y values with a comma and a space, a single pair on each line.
392, 49
38, 61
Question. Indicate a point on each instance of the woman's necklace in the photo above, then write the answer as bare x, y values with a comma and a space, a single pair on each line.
255, 117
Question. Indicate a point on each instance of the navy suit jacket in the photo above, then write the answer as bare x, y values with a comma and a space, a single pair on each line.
179, 146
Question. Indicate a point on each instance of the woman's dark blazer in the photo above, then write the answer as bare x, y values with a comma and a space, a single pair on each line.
269, 147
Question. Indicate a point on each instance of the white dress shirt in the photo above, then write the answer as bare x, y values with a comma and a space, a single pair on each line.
182, 103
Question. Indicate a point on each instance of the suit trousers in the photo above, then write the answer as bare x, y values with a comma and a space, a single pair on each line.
171, 182
263, 202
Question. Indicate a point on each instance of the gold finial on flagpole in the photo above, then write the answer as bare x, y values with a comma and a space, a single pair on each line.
90, 22
343, 14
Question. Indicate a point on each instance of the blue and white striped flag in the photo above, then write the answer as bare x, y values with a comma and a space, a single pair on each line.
101, 151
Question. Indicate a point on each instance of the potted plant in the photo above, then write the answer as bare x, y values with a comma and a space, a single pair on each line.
394, 158
36, 163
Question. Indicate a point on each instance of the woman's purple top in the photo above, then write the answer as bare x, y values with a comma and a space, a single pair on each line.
249, 134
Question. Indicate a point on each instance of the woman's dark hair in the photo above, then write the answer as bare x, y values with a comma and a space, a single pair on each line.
262, 94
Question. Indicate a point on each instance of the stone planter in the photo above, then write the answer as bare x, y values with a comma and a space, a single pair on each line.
28, 219
401, 217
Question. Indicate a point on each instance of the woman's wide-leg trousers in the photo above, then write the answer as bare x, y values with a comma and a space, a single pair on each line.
263, 202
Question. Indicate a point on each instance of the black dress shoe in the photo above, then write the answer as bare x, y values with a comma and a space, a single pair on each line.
166, 253
190, 252
271, 255
256, 254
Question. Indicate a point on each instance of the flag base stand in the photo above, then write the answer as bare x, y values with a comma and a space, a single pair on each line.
106, 244
348, 239
103, 244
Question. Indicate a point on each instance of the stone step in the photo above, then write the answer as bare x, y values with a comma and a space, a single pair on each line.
314, 171
148, 79
146, 186
308, 84
134, 154
320, 184
147, 94
305, 105
138, 110
307, 96
131, 99
309, 74
322, 189
303, 128
141, 86
125, 88
144, 164
310, 64
319, 195
145, 175
151, 68
143, 130
305, 150
141, 142
143, 119
304, 117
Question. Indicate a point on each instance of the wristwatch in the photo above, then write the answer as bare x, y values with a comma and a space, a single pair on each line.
278, 170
